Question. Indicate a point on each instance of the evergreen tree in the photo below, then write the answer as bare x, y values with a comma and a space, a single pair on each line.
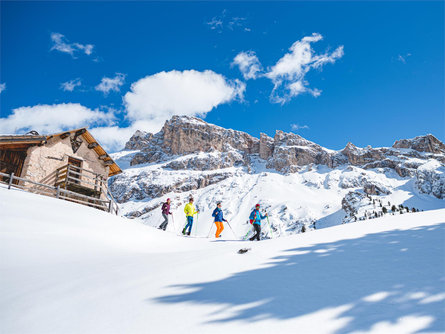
384, 210
413, 210
303, 229
393, 208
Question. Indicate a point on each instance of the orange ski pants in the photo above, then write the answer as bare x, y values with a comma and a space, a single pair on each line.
219, 228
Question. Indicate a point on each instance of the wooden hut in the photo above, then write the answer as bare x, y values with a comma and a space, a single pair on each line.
71, 160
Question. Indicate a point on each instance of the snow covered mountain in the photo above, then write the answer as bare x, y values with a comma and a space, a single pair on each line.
299, 183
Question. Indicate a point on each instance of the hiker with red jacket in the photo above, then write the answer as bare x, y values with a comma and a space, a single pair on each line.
165, 213
255, 219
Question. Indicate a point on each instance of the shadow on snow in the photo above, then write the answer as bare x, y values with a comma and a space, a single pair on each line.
406, 265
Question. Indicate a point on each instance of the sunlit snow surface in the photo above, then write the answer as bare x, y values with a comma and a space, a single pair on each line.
66, 268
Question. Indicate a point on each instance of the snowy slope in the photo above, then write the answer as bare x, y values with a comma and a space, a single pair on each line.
312, 195
67, 268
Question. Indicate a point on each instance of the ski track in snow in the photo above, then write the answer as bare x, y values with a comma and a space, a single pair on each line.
66, 268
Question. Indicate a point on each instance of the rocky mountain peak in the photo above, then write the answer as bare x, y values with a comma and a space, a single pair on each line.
350, 147
427, 143
139, 140
189, 137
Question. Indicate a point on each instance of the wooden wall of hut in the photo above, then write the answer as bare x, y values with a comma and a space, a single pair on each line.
11, 161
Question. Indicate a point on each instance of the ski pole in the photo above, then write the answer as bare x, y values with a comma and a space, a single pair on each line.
208, 235
174, 225
232, 229
248, 232
270, 227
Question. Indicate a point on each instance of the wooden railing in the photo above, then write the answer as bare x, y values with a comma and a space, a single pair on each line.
108, 204
80, 180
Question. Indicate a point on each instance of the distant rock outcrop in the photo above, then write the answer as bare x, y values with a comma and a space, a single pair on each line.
190, 144
427, 143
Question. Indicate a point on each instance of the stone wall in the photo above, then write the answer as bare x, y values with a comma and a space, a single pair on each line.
42, 161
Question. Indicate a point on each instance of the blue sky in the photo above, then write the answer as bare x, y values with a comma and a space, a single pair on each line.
364, 72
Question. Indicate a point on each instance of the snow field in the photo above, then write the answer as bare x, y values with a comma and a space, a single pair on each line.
66, 268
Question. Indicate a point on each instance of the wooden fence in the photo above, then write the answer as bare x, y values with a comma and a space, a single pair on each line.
109, 205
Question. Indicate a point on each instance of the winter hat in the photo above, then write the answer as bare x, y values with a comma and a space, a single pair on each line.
257, 206
218, 203
168, 199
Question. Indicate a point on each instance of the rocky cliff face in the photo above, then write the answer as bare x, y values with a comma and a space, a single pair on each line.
285, 152
185, 135
190, 155
427, 143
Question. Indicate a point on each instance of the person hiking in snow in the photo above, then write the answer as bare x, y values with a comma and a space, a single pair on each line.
189, 211
165, 213
219, 219
255, 219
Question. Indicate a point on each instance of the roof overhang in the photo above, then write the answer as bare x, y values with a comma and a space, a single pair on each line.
93, 145
21, 142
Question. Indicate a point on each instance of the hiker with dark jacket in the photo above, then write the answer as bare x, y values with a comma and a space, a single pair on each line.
219, 219
255, 219
165, 213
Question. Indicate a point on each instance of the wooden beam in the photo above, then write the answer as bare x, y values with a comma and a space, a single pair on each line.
92, 145
6, 141
103, 156
13, 147
80, 132
64, 135
109, 162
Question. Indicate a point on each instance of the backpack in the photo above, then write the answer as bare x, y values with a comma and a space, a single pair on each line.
252, 220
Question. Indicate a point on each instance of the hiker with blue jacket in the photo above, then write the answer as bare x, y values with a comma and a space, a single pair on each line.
219, 219
255, 219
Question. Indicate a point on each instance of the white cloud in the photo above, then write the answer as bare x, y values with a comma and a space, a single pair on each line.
150, 102
158, 97
403, 58
215, 24
236, 22
60, 43
296, 127
2, 87
111, 84
288, 74
113, 138
220, 22
70, 85
46, 118
248, 64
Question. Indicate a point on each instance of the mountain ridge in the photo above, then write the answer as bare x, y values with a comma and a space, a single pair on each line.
190, 157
